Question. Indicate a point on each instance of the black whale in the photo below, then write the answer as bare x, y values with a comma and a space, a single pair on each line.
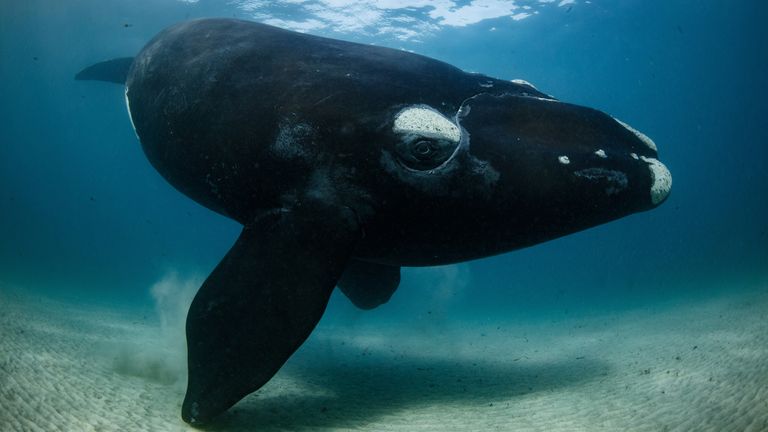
344, 162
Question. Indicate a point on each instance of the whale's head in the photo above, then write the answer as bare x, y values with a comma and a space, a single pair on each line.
513, 169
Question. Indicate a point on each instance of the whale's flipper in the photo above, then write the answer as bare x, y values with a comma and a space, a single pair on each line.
369, 285
115, 70
261, 303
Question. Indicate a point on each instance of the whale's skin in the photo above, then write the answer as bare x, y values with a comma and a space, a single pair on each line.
345, 162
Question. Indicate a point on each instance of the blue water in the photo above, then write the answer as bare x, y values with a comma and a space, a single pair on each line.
83, 214
84, 217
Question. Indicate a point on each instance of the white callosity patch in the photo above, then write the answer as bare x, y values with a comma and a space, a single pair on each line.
550, 99
130, 117
601, 153
662, 179
643, 137
427, 122
523, 82
563, 160
634, 156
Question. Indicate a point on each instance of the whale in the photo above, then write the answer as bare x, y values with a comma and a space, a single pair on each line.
345, 162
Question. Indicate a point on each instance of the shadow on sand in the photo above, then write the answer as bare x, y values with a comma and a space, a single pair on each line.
355, 390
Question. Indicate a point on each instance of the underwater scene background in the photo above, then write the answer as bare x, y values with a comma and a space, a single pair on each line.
656, 321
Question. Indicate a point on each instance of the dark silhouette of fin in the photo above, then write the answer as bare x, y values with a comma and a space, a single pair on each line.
115, 70
261, 303
369, 285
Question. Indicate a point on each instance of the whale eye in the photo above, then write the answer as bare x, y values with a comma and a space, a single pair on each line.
427, 139
422, 149
421, 153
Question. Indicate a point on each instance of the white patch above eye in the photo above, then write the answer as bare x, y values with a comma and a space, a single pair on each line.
601, 153
643, 137
662, 179
634, 156
427, 122
564, 160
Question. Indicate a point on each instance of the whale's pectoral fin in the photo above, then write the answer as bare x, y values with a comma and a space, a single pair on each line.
115, 71
369, 285
261, 303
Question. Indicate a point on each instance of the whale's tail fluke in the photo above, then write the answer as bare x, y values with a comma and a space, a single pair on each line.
115, 71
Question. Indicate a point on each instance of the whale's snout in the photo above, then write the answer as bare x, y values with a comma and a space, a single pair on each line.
661, 180
564, 163
661, 177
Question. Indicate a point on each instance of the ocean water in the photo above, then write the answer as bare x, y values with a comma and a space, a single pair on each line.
99, 255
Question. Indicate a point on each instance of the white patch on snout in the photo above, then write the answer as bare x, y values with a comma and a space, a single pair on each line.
601, 153
662, 179
643, 137
427, 122
563, 160
130, 117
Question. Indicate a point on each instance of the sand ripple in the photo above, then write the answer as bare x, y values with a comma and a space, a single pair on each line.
702, 367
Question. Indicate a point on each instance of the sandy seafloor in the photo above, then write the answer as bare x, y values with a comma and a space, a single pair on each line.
679, 366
